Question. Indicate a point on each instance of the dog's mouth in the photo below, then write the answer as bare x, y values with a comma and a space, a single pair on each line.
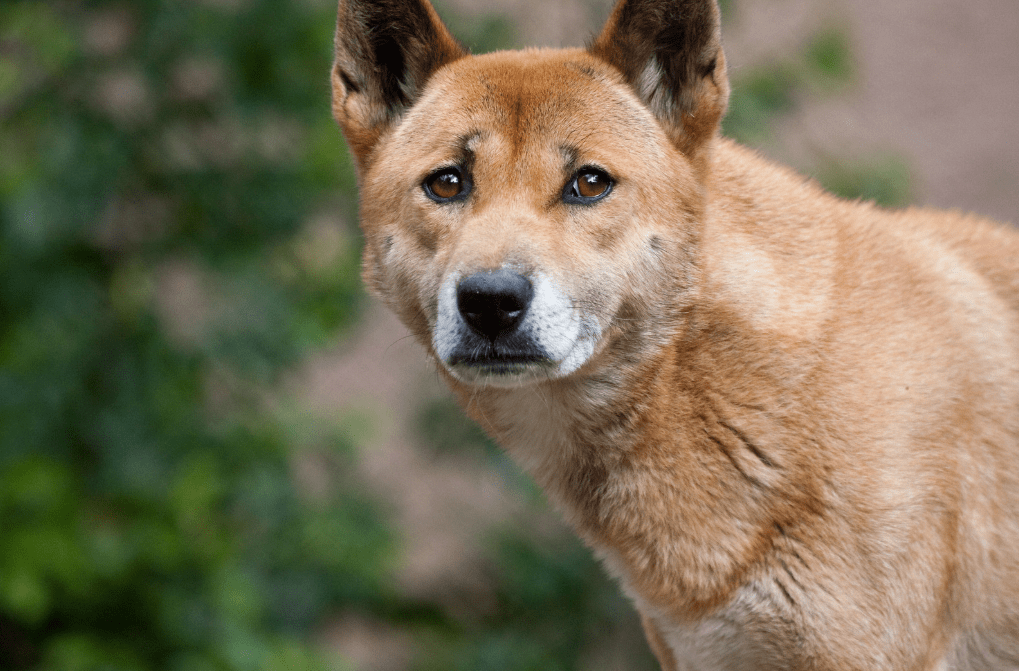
502, 370
476, 361
495, 362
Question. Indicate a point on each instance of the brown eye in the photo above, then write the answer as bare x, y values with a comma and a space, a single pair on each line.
588, 185
592, 184
445, 185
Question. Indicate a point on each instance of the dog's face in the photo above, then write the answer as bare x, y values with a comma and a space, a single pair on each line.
514, 207
520, 209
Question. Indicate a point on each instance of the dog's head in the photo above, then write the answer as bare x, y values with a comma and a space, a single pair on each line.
521, 210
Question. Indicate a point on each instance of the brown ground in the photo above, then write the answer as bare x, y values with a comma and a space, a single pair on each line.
937, 84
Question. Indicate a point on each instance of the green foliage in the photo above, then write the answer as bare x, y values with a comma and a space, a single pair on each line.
169, 240
444, 429
829, 58
726, 7
765, 93
757, 98
555, 595
884, 179
481, 33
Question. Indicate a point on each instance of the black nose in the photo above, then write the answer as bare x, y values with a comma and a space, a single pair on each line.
493, 303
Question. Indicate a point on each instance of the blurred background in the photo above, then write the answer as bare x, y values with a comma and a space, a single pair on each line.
217, 454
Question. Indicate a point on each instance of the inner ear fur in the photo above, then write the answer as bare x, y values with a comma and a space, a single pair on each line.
385, 52
670, 52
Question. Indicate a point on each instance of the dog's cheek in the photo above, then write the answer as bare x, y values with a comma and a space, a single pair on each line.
410, 294
372, 269
392, 267
652, 277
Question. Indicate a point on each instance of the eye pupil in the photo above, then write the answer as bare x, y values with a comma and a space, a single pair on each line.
445, 184
590, 185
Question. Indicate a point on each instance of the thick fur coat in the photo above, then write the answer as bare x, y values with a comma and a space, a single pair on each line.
788, 423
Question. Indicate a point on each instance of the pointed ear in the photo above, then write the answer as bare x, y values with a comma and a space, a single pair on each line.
385, 52
670, 52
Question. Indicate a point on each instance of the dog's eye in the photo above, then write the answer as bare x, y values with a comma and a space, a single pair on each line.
446, 185
587, 186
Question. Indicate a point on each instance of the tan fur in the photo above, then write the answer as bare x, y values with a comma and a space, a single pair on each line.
796, 438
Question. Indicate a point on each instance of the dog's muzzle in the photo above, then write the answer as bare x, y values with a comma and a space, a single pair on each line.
493, 305
504, 328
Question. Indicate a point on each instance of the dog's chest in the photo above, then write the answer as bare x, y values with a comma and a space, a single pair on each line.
747, 634
601, 494
716, 644
712, 645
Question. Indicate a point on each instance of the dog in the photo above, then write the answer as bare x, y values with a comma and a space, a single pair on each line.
787, 423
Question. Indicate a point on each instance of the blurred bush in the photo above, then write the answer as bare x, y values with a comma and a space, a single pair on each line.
823, 67
174, 208
885, 179
172, 234
768, 91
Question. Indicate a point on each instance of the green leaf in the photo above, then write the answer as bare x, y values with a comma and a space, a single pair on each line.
829, 58
758, 97
885, 180
24, 592
39, 486
293, 655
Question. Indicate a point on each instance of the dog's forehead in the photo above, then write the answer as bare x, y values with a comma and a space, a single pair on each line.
531, 95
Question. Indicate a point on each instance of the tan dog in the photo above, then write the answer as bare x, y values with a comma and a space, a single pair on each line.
788, 423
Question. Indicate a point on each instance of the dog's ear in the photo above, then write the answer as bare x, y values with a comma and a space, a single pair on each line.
670, 52
385, 52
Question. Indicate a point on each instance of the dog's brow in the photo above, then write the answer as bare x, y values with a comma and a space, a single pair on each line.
571, 156
467, 142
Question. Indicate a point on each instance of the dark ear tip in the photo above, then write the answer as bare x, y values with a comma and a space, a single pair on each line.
670, 53
387, 49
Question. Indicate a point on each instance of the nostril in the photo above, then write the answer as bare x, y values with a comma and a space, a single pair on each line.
510, 305
494, 303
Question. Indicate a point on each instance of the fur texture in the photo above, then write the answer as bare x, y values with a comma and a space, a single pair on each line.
789, 424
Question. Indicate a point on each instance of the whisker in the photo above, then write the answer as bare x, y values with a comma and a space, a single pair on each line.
400, 340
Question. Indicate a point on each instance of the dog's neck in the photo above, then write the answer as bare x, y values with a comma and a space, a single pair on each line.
700, 497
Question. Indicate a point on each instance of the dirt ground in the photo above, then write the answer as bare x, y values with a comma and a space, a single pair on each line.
937, 83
